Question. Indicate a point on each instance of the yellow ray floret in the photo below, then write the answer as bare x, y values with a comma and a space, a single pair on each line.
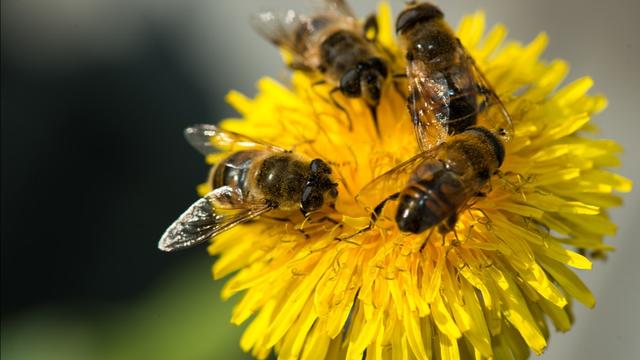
488, 293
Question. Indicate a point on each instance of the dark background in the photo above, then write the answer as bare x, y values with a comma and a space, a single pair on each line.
94, 98
93, 167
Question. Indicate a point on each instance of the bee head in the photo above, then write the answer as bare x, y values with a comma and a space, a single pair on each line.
365, 80
319, 185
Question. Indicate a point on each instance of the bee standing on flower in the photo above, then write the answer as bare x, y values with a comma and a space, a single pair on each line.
333, 43
437, 184
447, 94
252, 181
447, 91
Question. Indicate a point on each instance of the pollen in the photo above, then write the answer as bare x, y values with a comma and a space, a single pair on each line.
492, 288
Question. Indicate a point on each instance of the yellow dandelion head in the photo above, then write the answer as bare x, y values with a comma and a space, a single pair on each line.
489, 289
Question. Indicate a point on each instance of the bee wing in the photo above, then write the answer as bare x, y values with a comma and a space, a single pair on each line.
201, 222
428, 104
284, 29
209, 139
341, 7
391, 182
491, 108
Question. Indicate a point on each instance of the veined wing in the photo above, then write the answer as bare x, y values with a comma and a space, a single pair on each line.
492, 112
202, 222
292, 32
391, 182
341, 7
301, 34
428, 104
209, 139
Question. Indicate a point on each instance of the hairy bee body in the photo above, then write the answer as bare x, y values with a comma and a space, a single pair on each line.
443, 183
253, 180
444, 86
342, 50
333, 43
278, 178
462, 110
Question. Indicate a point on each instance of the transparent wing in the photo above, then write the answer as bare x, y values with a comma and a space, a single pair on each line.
287, 30
428, 104
341, 7
391, 182
300, 34
493, 113
201, 222
209, 139
279, 27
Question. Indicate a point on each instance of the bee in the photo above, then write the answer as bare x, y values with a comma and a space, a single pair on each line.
447, 91
331, 42
436, 184
452, 107
255, 179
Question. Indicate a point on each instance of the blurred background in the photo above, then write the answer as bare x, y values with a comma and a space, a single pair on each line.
95, 95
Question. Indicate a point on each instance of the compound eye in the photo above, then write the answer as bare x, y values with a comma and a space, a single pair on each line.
311, 200
333, 192
319, 167
378, 65
350, 83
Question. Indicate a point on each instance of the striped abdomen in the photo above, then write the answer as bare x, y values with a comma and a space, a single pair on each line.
430, 42
463, 106
441, 185
428, 202
235, 170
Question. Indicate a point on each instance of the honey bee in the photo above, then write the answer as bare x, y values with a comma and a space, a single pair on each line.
254, 179
438, 183
447, 91
452, 107
333, 43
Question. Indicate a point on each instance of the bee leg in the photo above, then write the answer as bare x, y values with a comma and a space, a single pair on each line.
374, 116
514, 187
424, 244
318, 83
374, 217
371, 28
448, 225
324, 218
485, 220
469, 233
456, 242
378, 209
289, 221
396, 85
340, 107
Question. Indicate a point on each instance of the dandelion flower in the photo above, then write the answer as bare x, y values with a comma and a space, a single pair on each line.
494, 290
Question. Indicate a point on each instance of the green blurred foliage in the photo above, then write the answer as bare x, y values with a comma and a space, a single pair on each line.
180, 318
